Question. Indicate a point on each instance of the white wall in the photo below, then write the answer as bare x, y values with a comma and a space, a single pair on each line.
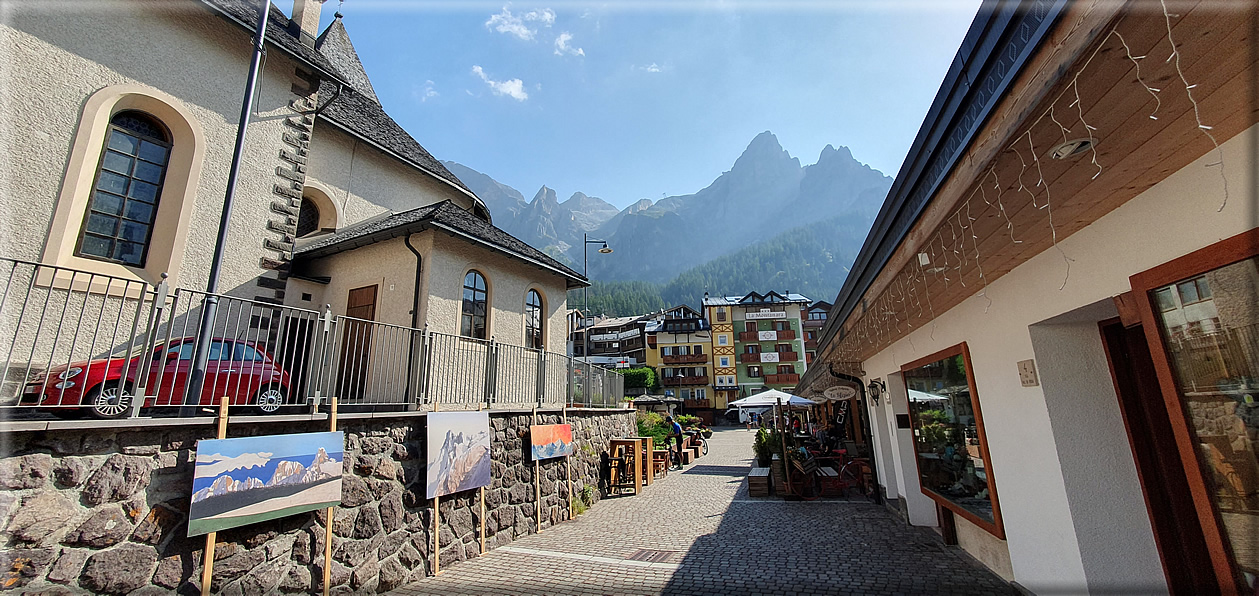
1175, 217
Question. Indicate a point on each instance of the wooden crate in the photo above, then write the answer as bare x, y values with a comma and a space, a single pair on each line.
758, 482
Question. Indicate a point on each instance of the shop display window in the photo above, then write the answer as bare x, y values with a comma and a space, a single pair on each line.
949, 445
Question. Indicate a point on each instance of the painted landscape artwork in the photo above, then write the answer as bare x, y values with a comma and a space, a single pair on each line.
551, 440
458, 452
251, 479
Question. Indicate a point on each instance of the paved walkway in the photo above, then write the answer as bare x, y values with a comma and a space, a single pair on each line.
698, 532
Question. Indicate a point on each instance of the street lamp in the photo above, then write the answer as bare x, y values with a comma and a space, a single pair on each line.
585, 292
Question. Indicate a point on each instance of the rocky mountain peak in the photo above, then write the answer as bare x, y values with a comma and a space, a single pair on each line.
545, 195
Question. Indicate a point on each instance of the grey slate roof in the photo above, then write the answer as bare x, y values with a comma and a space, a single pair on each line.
334, 43
445, 216
280, 32
364, 118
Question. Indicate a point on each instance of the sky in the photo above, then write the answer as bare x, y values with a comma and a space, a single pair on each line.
633, 100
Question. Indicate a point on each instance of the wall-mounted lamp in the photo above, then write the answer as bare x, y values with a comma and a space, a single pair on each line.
876, 389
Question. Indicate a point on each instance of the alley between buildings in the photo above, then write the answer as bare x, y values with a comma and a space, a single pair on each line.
698, 532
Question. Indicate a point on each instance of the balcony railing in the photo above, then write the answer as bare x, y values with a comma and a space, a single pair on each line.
685, 358
784, 335
770, 357
73, 342
680, 381
783, 379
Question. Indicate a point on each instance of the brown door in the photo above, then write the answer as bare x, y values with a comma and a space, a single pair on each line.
356, 341
1177, 532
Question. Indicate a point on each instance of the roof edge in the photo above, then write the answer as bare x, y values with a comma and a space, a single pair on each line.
970, 92
253, 28
476, 201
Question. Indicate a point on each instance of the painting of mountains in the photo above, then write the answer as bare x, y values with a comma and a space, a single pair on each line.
243, 481
458, 452
551, 440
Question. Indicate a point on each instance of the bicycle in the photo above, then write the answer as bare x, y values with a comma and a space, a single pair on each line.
856, 473
697, 438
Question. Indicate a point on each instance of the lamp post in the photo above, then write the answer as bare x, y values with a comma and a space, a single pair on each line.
585, 292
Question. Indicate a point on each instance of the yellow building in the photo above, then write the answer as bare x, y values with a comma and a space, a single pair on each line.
722, 356
678, 347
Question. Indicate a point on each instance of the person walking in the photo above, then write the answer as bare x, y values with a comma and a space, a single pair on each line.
751, 417
675, 434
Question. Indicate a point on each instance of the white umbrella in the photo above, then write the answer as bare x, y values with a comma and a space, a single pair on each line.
915, 395
770, 398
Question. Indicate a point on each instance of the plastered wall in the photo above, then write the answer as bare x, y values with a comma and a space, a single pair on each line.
1175, 217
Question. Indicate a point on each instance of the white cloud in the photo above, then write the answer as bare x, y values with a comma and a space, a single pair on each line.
424, 93
217, 464
519, 25
514, 88
562, 46
653, 67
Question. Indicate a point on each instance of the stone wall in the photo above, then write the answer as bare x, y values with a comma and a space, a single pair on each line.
104, 510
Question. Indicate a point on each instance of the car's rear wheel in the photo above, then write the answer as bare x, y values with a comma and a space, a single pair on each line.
270, 399
108, 401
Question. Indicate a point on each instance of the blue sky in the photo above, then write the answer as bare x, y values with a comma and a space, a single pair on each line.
631, 100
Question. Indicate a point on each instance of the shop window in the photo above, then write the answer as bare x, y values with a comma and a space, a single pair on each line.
1211, 345
952, 455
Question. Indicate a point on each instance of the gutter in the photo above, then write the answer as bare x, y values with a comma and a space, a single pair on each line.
253, 29
415, 315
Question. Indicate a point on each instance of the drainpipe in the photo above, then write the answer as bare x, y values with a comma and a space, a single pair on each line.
861, 390
415, 314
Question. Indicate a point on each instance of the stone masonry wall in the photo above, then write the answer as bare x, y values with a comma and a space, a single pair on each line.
104, 510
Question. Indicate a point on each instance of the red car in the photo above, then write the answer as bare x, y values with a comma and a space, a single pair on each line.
238, 369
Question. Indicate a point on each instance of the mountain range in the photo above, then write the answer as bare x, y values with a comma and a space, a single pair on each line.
286, 472
767, 223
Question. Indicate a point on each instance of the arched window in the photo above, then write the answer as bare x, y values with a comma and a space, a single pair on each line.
474, 306
307, 218
119, 220
533, 320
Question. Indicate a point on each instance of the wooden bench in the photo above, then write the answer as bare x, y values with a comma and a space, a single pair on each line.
758, 482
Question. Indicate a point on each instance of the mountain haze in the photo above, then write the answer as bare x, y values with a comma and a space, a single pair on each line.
767, 223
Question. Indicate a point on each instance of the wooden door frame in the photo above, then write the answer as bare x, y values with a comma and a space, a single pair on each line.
996, 527
1220, 254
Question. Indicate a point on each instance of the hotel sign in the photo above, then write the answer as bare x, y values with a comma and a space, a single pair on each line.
615, 336
767, 314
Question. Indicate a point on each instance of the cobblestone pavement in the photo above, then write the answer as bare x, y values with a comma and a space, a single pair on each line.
718, 540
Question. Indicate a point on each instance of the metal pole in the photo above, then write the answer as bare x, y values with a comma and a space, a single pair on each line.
585, 302
209, 308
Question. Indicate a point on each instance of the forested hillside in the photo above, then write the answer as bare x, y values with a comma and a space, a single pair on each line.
811, 260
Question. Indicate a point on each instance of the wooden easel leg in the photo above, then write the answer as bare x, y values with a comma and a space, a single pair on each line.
207, 559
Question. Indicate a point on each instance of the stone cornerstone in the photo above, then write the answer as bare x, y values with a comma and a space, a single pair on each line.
104, 510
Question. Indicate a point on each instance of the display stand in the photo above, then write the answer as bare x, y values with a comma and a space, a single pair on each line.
207, 559
482, 490
437, 555
568, 469
332, 511
537, 481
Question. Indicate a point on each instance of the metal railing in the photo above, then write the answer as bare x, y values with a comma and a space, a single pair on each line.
73, 342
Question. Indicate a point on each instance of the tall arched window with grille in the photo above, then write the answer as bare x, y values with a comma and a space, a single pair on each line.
119, 221
475, 306
533, 320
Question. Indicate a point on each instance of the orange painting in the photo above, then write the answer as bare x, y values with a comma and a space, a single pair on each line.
551, 440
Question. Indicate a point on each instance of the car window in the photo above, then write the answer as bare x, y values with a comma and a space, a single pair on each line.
218, 353
247, 353
184, 350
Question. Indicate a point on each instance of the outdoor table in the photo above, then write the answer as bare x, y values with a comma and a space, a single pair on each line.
648, 449
631, 448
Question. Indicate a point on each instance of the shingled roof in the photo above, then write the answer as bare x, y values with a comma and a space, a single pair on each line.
280, 32
444, 216
334, 43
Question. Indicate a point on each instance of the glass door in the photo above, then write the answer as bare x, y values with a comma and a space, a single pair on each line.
1203, 326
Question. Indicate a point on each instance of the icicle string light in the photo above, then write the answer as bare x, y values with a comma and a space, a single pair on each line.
1197, 116
905, 292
